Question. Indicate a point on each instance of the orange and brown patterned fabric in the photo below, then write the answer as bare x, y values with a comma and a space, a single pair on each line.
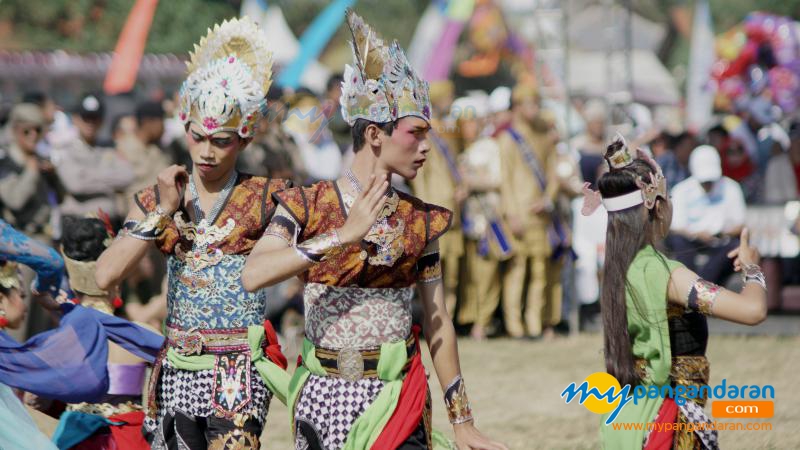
249, 205
319, 208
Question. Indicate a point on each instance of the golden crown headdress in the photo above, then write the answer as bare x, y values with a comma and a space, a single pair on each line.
382, 87
230, 71
9, 275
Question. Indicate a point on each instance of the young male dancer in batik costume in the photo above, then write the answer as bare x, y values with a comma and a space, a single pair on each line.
361, 247
214, 379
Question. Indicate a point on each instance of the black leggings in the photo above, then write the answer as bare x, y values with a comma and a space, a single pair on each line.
181, 431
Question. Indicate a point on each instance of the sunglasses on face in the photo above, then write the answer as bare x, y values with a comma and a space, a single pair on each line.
30, 130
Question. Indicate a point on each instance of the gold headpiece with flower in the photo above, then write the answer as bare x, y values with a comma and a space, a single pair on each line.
382, 87
230, 71
9, 275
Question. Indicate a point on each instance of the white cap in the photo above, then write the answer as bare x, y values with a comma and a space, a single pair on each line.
500, 99
705, 164
473, 106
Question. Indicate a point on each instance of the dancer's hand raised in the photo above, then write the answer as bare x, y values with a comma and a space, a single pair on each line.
744, 254
364, 212
171, 184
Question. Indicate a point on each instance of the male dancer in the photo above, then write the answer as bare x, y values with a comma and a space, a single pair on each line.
213, 381
361, 247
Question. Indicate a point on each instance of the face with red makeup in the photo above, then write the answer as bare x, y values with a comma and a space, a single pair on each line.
405, 150
213, 155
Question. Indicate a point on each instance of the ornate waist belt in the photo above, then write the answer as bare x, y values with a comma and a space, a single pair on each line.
352, 364
686, 370
197, 341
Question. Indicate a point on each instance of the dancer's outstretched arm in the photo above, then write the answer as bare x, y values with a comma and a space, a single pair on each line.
748, 307
441, 337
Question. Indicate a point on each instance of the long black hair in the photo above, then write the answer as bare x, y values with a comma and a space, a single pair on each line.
628, 232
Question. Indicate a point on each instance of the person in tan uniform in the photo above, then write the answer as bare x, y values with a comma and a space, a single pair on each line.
481, 167
439, 182
142, 148
528, 190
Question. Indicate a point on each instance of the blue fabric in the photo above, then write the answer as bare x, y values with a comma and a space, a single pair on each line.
213, 296
75, 427
46, 262
69, 363
17, 429
314, 39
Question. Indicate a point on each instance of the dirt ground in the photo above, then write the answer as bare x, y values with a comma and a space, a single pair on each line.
515, 391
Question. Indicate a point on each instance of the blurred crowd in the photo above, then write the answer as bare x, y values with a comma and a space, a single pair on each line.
519, 254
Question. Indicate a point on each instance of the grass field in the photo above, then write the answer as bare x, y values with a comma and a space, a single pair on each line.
514, 388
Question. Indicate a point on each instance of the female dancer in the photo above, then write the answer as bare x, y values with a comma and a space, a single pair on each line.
68, 363
654, 309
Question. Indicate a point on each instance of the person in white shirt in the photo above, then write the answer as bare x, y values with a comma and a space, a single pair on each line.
708, 216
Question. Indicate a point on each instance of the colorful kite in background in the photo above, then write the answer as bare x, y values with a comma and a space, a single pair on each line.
759, 58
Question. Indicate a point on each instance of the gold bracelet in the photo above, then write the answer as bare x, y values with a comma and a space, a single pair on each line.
457, 403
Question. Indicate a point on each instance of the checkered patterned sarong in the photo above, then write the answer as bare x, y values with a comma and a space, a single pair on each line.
330, 405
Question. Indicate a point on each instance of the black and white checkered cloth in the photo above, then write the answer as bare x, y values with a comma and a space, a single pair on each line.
191, 392
331, 405
694, 414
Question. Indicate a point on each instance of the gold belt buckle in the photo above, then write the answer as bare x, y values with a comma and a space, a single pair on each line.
351, 364
188, 342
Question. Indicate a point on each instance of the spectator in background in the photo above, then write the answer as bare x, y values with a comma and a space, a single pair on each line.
142, 148
28, 192
486, 237
736, 162
333, 111
660, 144
306, 123
591, 144
273, 152
782, 180
91, 175
28, 184
123, 126
708, 215
675, 163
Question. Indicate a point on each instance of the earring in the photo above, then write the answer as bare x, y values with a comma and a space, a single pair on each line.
3, 320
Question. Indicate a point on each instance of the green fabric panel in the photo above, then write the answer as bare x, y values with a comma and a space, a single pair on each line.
370, 424
310, 365
393, 359
648, 277
190, 362
441, 442
276, 379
